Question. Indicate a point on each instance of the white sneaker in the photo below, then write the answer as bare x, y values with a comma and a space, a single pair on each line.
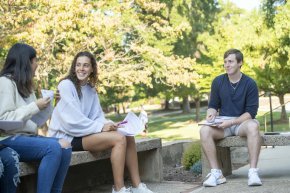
214, 178
254, 179
122, 190
142, 188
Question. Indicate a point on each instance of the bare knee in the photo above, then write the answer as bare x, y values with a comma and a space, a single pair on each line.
64, 143
120, 140
253, 128
205, 133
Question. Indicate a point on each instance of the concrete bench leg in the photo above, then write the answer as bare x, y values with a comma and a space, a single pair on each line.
150, 165
224, 159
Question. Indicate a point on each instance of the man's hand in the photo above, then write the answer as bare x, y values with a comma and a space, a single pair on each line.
225, 124
210, 115
42, 103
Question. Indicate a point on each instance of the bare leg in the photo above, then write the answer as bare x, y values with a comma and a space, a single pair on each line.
132, 161
208, 135
106, 140
250, 129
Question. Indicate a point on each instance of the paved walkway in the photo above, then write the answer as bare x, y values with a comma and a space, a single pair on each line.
164, 187
274, 167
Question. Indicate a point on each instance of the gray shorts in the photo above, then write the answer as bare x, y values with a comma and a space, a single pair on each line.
234, 130
231, 131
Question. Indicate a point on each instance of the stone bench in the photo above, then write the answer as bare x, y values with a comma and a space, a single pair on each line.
88, 170
224, 153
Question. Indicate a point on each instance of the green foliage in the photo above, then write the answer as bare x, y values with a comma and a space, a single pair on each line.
148, 48
196, 167
191, 155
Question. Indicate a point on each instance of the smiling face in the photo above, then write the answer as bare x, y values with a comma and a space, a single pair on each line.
83, 69
231, 65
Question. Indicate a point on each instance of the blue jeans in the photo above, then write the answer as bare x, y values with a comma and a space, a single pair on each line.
9, 170
54, 160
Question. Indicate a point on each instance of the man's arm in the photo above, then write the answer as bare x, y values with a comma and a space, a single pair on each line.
228, 123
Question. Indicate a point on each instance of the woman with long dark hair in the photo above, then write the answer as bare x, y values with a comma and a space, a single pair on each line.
78, 117
18, 103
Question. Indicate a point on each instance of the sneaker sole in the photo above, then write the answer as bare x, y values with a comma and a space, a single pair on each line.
254, 184
220, 181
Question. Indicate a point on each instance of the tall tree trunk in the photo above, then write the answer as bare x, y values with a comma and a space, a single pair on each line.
283, 112
185, 105
197, 108
166, 104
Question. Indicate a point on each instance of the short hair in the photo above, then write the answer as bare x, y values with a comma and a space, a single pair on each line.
17, 67
239, 55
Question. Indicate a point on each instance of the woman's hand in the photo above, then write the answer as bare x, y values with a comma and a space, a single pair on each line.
109, 127
42, 103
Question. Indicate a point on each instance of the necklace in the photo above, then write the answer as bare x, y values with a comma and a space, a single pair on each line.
236, 84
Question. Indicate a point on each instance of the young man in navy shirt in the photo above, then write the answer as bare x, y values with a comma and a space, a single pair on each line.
234, 101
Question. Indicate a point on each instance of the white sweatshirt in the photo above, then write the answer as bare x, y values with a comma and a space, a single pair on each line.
15, 108
74, 117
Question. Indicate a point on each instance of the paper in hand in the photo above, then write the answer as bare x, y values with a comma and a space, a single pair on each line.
133, 125
47, 93
217, 121
41, 117
213, 124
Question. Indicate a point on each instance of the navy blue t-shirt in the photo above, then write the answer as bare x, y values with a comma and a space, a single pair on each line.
234, 102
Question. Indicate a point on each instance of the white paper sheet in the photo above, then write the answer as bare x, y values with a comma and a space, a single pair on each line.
218, 120
41, 117
133, 126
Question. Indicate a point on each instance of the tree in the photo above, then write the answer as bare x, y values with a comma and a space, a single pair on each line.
273, 72
119, 33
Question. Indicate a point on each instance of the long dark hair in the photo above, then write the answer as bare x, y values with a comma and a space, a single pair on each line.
17, 67
72, 72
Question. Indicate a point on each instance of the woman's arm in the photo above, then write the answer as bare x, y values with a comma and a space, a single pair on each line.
9, 109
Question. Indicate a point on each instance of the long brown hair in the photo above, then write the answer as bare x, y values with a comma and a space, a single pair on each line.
72, 72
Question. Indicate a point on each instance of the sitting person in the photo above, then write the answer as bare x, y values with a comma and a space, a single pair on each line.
235, 97
78, 117
18, 103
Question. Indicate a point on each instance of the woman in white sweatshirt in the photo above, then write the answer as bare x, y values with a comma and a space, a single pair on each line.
18, 103
78, 117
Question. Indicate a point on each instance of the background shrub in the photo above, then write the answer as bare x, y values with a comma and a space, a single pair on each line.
191, 155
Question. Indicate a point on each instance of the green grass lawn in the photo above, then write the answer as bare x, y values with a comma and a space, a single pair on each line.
277, 124
179, 126
174, 126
